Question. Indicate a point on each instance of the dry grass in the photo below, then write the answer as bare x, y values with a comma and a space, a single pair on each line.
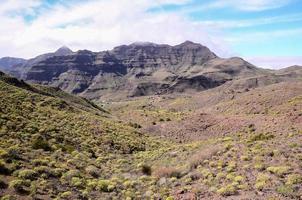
202, 155
167, 172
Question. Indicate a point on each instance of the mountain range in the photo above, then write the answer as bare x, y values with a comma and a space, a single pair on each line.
140, 69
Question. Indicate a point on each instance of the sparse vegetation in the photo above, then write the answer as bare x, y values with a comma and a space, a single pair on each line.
279, 170
61, 148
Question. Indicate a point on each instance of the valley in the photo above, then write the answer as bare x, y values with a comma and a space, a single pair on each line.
149, 121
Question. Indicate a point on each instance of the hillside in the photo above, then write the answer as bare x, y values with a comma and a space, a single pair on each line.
254, 149
235, 145
54, 145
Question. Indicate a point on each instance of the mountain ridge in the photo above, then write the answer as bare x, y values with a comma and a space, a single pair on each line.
137, 69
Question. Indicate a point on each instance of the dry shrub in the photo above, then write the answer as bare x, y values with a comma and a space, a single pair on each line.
167, 172
202, 155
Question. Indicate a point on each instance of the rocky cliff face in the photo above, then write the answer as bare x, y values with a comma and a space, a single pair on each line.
136, 69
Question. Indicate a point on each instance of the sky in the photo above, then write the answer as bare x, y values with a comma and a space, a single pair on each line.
268, 33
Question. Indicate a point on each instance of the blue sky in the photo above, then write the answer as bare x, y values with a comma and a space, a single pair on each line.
266, 32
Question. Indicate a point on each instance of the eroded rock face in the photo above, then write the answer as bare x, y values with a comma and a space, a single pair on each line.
136, 69
154, 55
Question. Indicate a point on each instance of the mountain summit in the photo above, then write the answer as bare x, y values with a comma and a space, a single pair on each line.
64, 50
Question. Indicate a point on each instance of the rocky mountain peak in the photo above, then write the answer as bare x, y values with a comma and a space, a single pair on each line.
189, 44
64, 50
138, 43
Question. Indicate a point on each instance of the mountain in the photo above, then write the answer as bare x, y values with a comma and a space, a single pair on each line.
135, 70
6, 63
18, 66
144, 68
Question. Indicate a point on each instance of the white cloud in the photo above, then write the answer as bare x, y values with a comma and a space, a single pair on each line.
252, 22
26, 7
248, 5
102, 24
276, 62
257, 36
99, 25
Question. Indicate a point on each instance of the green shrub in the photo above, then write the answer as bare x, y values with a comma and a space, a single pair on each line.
279, 170
57, 172
38, 162
46, 171
92, 184
259, 166
27, 174
3, 153
66, 194
231, 166
93, 171
227, 190
286, 190
20, 186
66, 147
260, 137
294, 179
76, 182
105, 186
40, 143
13, 153
8, 197
239, 179
70, 174
262, 181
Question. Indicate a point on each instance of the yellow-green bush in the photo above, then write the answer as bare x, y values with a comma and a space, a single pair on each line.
227, 190
105, 186
27, 174
279, 170
262, 181
20, 185
294, 179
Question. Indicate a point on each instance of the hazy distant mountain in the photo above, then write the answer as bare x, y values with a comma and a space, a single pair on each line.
7, 62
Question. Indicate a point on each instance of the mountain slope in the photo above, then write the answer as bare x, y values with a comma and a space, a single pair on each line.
138, 69
232, 145
49, 144
256, 134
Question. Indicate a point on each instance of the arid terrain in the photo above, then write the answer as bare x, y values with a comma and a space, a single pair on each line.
148, 121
